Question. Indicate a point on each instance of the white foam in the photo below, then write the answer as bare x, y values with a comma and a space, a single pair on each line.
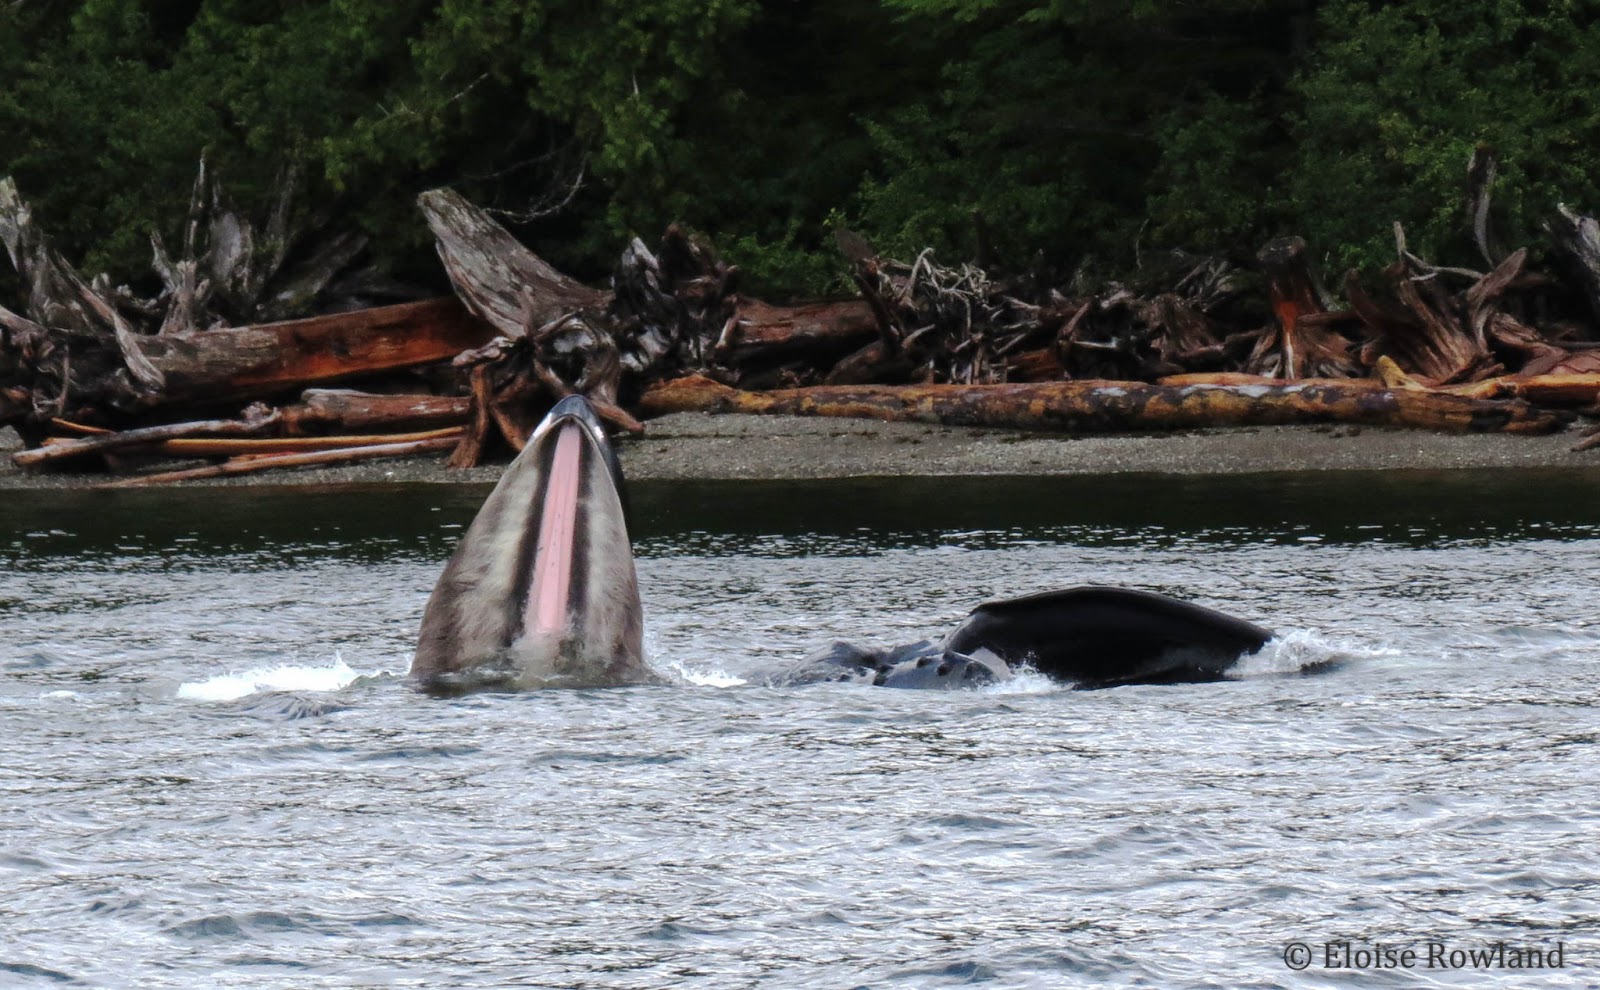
61, 694
1025, 681
1293, 652
287, 677
716, 678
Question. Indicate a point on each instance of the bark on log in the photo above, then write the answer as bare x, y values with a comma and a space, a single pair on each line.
1236, 379
242, 362
347, 410
1114, 406
763, 332
1433, 344
1556, 390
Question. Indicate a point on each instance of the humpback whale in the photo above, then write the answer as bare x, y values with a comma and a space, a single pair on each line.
1090, 637
541, 592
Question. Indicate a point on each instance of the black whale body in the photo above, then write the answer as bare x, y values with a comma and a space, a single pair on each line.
542, 592
1090, 637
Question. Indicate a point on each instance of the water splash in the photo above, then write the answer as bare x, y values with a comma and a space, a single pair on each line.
286, 677
702, 677
1025, 681
1297, 652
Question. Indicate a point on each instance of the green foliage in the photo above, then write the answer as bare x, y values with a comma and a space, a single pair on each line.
1060, 130
1060, 125
1401, 93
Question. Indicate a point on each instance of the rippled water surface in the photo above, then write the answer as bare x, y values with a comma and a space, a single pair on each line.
215, 775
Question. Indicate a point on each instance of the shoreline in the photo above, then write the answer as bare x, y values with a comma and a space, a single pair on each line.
727, 447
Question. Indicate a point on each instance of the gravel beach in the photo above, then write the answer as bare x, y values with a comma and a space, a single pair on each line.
718, 447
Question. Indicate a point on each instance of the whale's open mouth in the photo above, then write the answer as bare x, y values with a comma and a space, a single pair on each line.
549, 604
542, 590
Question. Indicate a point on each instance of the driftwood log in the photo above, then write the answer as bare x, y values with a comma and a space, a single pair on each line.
247, 362
1188, 345
350, 411
255, 464
201, 447
1117, 406
110, 441
1303, 343
86, 351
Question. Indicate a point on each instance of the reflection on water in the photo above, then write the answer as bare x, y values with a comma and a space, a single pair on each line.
216, 775
277, 527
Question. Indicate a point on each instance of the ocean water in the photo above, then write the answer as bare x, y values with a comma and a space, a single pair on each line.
215, 774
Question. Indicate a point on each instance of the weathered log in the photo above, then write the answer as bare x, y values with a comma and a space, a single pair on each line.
763, 332
875, 362
504, 283
242, 362
1039, 365
469, 449
259, 446
1592, 434
344, 410
1233, 379
1434, 346
59, 298
1556, 390
1302, 347
1480, 187
273, 462
1544, 390
514, 404
1577, 241
950, 324
672, 308
1122, 336
133, 438
1114, 406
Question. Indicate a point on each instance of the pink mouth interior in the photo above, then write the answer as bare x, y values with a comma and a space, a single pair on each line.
550, 592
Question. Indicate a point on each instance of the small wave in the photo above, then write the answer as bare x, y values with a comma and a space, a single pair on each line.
287, 677
1299, 652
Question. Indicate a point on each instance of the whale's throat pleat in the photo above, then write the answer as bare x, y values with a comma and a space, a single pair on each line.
548, 608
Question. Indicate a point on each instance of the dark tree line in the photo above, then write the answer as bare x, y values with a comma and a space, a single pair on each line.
1078, 137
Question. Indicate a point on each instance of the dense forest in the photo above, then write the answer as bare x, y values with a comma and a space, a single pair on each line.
1077, 137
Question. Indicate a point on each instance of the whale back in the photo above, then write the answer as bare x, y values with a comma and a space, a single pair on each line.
1099, 637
